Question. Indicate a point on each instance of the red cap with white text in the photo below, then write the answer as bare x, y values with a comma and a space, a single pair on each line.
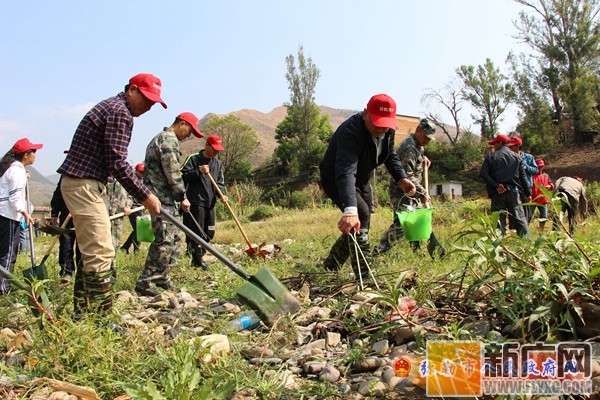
150, 86
382, 110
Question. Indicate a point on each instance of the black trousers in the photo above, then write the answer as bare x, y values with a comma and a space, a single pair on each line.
570, 207
205, 228
10, 231
132, 239
509, 201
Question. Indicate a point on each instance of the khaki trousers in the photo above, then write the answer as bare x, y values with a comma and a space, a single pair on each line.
87, 201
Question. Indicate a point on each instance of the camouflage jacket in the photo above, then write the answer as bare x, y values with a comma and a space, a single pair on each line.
412, 156
161, 173
118, 198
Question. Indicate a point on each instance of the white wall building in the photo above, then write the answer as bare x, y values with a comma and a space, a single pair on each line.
450, 189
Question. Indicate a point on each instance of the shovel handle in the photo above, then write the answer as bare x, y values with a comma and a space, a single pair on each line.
192, 235
13, 279
30, 226
122, 214
212, 180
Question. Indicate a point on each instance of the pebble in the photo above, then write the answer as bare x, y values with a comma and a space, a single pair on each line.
329, 374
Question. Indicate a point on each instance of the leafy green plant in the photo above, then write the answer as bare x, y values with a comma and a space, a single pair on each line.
180, 380
536, 285
354, 356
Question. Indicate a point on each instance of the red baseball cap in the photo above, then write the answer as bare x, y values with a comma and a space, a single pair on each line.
23, 145
515, 141
140, 167
193, 121
216, 142
382, 109
499, 139
540, 163
150, 86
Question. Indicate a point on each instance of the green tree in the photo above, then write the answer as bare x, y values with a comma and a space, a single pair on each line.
565, 38
537, 126
303, 133
489, 92
239, 140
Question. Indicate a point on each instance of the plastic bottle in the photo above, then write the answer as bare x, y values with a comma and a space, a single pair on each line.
247, 321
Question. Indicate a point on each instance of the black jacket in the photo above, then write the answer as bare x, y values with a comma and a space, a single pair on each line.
199, 189
506, 167
58, 207
351, 157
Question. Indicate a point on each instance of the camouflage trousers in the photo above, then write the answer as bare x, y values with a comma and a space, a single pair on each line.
116, 230
164, 251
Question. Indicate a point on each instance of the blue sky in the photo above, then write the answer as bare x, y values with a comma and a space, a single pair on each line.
59, 58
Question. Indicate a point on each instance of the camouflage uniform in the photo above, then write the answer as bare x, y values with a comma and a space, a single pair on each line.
118, 200
412, 155
162, 177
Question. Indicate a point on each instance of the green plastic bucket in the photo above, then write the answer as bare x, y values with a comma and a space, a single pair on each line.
144, 230
416, 224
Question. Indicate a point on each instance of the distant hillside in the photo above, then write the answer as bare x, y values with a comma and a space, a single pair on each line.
264, 125
40, 187
53, 178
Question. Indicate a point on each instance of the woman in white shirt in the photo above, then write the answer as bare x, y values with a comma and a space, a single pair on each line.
13, 205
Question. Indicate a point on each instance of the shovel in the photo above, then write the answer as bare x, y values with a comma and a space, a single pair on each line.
251, 250
36, 272
56, 230
42, 266
263, 292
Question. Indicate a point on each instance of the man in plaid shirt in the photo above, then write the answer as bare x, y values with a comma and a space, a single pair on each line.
99, 150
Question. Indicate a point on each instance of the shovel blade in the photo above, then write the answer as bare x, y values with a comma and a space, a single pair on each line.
40, 273
268, 297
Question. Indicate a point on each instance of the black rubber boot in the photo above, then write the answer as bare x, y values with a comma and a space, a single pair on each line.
434, 248
197, 254
339, 253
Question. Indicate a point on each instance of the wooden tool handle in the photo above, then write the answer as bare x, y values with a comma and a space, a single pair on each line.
56, 237
121, 214
230, 210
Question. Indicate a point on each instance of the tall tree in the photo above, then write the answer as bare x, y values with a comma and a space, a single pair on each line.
239, 141
303, 132
565, 38
538, 126
449, 97
489, 92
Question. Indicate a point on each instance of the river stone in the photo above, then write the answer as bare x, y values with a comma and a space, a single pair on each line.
387, 373
381, 347
369, 364
333, 338
257, 351
313, 367
329, 374
372, 388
